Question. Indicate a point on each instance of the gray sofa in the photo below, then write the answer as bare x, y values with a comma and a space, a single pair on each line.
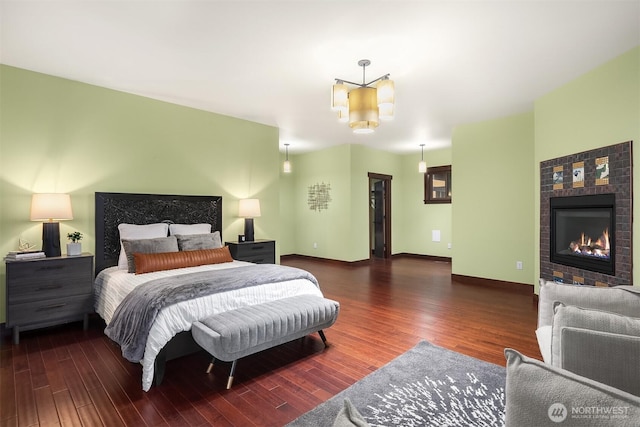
589, 338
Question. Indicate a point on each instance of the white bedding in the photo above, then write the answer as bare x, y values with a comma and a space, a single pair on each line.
113, 284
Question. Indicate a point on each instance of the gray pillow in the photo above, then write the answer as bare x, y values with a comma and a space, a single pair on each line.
619, 299
194, 242
538, 394
597, 344
593, 320
148, 246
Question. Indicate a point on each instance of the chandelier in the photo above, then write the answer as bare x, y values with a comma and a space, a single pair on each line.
364, 106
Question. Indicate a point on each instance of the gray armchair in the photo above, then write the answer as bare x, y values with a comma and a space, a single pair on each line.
592, 331
590, 341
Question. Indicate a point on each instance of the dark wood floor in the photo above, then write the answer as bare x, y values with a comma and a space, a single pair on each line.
65, 376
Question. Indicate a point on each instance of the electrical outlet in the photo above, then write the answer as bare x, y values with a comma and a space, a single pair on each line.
315, 245
448, 245
518, 265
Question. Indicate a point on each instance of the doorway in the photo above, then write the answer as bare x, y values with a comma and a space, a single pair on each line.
379, 215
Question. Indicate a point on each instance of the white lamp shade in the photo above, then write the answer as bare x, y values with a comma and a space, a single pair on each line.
422, 166
249, 208
340, 97
386, 99
386, 92
50, 206
286, 166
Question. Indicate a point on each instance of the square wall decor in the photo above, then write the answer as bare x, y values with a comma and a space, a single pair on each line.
319, 196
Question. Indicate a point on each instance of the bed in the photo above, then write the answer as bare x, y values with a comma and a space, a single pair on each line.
169, 335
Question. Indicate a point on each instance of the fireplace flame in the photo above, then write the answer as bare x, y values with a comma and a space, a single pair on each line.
585, 246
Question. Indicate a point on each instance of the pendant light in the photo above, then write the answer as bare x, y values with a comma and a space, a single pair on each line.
365, 105
286, 166
422, 166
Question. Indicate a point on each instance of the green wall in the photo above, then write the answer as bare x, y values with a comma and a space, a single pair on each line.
598, 109
58, 135
493, 202
417, 219
328, 229
342, 231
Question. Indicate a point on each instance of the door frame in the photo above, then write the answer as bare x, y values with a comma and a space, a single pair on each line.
387, 209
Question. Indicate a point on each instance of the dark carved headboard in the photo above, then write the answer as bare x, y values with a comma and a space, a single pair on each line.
116, 208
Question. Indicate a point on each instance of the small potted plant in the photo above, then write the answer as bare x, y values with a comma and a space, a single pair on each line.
75, 247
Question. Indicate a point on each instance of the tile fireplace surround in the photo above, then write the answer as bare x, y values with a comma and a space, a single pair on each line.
618, 182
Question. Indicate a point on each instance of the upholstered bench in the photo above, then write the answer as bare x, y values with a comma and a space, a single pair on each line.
231, 335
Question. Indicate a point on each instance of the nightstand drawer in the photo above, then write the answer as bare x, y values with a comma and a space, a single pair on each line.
51, 310
44, 280
255, 249
45, 289
259, 258
259, 251
29, 271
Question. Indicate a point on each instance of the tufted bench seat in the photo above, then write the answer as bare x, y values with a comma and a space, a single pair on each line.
230, 335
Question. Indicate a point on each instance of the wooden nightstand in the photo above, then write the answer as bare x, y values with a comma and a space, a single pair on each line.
48, 291
258, 251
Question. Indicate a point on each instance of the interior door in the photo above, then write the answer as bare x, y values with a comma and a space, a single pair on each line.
379, 215
378, 219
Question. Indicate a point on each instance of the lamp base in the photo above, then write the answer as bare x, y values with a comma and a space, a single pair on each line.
248, 230
51, 239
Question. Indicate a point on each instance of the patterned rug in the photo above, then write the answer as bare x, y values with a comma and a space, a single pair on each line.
426, 386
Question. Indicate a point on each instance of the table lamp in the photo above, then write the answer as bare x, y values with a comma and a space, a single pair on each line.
49, 207
248, 209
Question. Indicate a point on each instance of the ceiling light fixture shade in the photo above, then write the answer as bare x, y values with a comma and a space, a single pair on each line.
422, 166
286, 166
386, 98
340, 97
364, 106
363, 110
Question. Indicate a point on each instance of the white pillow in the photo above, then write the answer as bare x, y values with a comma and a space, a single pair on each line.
189, 229
134, 232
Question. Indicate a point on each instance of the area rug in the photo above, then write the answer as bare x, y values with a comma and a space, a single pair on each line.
426, 386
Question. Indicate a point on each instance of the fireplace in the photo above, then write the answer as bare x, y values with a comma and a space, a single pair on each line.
602, 199
582, 232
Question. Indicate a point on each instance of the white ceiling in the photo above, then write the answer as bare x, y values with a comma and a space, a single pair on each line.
273, 62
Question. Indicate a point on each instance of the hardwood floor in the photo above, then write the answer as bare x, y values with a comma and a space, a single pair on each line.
68, 377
